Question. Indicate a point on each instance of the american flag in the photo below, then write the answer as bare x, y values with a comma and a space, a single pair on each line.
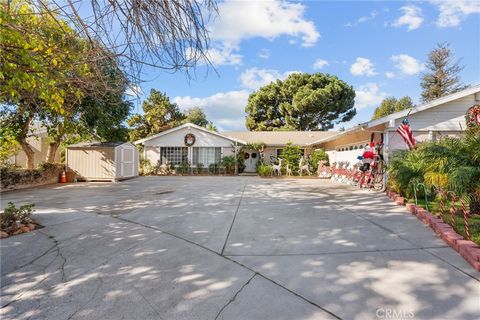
404, 130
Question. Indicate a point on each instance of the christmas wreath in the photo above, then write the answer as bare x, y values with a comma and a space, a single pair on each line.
189, 139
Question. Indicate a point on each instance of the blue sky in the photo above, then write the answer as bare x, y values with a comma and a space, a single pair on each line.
378, 47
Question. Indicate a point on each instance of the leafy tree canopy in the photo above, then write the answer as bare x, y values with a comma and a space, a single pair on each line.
48, 74
196, 116
442, 75
301, 102
391, 105
159, 115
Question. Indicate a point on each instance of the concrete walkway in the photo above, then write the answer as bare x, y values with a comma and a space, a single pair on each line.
228, 248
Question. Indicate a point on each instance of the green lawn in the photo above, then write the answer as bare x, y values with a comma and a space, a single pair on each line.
459, 227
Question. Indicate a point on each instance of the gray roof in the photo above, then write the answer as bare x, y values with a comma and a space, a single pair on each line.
112, 144
279, 138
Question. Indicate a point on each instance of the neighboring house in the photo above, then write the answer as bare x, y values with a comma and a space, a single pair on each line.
429, 122
195, 144
39, 143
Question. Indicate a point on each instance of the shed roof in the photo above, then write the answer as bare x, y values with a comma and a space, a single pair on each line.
111, 144
280, 138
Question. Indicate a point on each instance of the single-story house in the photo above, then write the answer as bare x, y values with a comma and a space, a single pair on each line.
429, 121
188, 143
194, 144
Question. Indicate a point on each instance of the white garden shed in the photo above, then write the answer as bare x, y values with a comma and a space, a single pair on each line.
102, 161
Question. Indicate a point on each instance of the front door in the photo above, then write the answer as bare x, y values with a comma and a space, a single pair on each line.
251, 159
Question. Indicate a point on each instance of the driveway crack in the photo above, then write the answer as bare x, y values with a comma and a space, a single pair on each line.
233, 220
235, 296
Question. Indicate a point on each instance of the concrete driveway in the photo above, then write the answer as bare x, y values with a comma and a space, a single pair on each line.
228, 248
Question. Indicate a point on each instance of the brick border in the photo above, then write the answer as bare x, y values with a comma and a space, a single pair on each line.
469, 250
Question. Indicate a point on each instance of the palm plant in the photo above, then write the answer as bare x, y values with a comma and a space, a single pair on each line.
451, 164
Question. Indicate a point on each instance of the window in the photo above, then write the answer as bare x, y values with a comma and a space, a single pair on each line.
173, 155
206, 155
278, 152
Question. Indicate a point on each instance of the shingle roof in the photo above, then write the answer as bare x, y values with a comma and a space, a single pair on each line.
96, 144
279, 138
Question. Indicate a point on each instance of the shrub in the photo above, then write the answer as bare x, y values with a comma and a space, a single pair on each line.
319, 155
291, 155
241, 161
213, 168
199, 167
146, 167
185, 167
12, 216
11, 176
451, 164
229, 163
264, 170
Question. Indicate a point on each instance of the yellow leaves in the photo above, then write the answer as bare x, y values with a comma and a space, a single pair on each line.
54, 62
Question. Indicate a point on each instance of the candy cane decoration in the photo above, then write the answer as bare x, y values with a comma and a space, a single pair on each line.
442, 205
465, 218
452, 209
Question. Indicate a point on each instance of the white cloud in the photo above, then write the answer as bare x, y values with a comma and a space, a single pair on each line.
362, 67
407, 65
133, 90
255, 78
224, 56
454, 11
225, 109
239, 20
389, 74
368, 95
319, 64
412, 17
363, 19
264, 54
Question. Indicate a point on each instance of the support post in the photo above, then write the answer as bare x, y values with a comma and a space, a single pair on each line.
236, 162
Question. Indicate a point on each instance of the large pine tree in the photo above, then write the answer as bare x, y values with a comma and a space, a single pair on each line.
442, 75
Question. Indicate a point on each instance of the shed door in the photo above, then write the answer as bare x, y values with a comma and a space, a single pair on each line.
127, 162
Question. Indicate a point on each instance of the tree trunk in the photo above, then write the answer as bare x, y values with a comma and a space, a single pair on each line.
22, 140
28, 152
52, 151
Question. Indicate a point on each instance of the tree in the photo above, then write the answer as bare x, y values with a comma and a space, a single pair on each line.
159, 115
94, 117
391, 105
301, 102
196, 116
8, 143
212, 127
47, 70
39, 56
170, 35
442, 77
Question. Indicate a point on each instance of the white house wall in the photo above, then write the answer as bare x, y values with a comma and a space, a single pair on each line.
176, 139
446, 117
